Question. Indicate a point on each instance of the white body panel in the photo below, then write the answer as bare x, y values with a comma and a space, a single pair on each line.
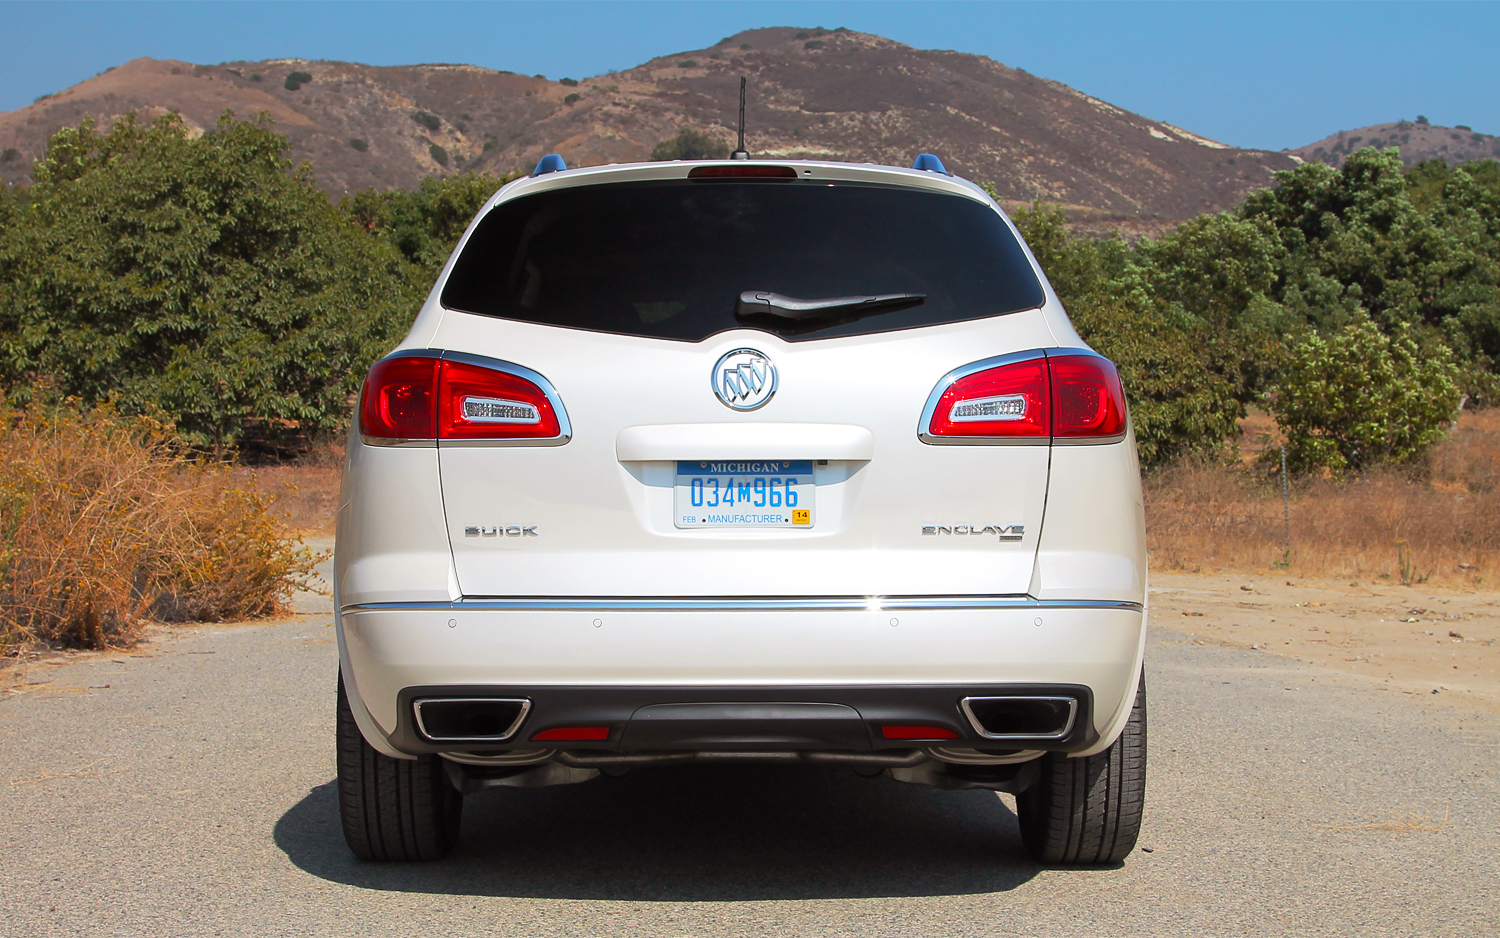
1093, 543
605, 520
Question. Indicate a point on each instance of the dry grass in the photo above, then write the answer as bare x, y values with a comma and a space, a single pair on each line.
104, 526
1438, 521
303, 494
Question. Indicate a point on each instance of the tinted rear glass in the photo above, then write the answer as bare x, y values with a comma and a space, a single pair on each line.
669, 259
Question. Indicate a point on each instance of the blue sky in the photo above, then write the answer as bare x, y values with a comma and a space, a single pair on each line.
1258, 74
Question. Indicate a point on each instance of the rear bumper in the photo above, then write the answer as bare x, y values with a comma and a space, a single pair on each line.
887, 660
719, 719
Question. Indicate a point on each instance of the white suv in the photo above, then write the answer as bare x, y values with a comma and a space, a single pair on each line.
742, 461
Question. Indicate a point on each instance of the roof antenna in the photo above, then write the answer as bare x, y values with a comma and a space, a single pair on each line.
740, 153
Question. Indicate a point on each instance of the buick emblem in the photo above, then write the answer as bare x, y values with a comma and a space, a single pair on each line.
744, 379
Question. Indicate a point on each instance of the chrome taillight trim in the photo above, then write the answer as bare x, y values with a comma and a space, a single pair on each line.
386, 441
979, 728
986, 364
963, 371
1087, 440
564, 425
509, 732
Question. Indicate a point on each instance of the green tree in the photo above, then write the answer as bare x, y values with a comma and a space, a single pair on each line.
1360, 397
1216, 274
195, 277
1179, 403
425, 224
1414, 248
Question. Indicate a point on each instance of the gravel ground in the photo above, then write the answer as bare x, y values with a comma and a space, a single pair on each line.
186, 788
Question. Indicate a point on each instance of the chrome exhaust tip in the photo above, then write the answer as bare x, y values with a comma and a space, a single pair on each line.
1021, 717
469, 719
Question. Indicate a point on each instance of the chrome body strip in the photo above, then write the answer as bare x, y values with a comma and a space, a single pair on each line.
742, 604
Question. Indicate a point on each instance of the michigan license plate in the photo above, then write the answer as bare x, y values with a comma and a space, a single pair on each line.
764, 493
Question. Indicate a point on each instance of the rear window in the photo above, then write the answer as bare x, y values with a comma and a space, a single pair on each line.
669, 259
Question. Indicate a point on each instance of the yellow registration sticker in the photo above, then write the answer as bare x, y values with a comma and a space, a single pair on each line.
801, 517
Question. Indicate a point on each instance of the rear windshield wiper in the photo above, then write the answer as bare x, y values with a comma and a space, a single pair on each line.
764, 303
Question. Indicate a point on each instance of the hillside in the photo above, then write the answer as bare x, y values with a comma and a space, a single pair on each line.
1419, 141
813, 93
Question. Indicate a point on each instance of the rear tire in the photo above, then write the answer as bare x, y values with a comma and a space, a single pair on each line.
392, 809
1088, 811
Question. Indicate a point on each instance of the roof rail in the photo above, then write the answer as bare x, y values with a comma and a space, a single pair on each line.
930, 163
552, 163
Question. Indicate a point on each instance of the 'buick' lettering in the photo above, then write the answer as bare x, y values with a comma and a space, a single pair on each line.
500, 530
1005, 532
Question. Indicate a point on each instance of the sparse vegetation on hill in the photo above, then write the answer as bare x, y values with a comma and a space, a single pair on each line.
690, 144
1418, 141
833, 93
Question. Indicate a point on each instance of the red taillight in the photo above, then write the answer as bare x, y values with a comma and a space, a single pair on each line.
1087, 399
1060, 396
917, 732
425, 398
399, 399
573, 733
478, 403
1006, 401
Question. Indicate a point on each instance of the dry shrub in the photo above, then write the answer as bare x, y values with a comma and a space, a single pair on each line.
1439, 520
105, 524
304, 492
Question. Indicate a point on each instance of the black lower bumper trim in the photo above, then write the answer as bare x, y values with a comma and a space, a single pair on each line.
726, 719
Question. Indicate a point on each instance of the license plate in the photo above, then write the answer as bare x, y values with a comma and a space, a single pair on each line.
764, 493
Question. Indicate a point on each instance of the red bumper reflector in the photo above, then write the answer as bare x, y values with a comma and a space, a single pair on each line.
573, 733
917, 732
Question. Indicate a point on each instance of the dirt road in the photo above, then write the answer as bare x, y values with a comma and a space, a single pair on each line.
185, 788
1411, 640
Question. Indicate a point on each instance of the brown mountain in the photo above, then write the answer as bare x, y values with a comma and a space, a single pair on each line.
813, 93
1418, 140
